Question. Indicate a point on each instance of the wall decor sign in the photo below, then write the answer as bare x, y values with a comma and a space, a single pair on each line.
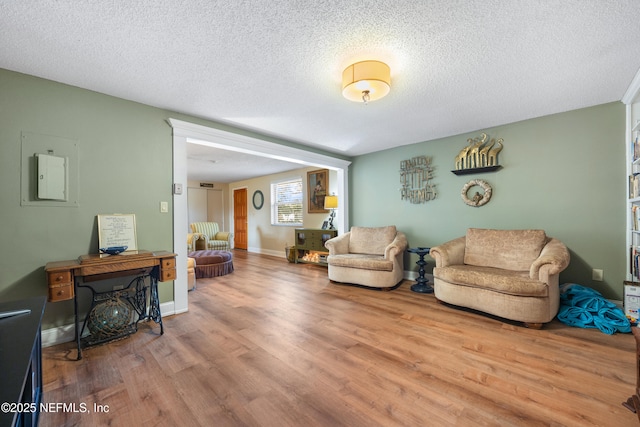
317, 182
480, 155
415, 179
117, 230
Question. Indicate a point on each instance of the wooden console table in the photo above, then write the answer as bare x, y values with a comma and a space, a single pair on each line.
310, 241
65, 278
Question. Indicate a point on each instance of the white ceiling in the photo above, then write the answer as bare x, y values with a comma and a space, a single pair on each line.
209, 164
275, 66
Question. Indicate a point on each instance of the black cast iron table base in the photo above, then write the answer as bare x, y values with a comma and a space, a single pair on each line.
422, 283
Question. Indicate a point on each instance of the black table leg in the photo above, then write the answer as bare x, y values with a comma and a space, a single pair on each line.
154, 302
75, 315
154, 299
422, 283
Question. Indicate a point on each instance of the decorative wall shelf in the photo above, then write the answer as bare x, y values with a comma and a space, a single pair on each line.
477, 170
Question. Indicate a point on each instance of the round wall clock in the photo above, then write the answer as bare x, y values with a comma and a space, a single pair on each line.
258, 199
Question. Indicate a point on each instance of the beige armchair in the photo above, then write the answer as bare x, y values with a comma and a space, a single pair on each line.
367, 256
192, 238
513, 274
207, 236
191, 274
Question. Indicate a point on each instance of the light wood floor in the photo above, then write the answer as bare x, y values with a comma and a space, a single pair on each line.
277, 344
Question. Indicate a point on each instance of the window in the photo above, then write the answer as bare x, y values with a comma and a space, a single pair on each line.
286, 202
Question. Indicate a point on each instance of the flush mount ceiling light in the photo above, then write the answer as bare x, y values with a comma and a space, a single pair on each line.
366, 81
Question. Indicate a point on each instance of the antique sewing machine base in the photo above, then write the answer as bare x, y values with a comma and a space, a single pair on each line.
134, 294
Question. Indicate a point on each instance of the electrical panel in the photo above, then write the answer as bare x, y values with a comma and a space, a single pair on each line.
52, 177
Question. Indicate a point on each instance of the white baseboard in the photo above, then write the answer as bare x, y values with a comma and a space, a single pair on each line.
58, 335
67, 333
279, 254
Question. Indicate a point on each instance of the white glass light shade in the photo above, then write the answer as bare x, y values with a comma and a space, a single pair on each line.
371, 76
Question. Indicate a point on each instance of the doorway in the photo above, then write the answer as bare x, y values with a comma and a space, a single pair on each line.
240, 220
184, 133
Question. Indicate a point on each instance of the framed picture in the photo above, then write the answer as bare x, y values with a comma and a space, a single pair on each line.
325, 225
117, 230
317, 182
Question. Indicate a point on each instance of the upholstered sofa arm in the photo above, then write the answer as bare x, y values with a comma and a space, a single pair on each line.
554, 253
202, 243
191, 240
223, 235
449, 253
338, 244
398, 245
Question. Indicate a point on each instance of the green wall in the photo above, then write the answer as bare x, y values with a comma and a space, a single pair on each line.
563, 173
124, 166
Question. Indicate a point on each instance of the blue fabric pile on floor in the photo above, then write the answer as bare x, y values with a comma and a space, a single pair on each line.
586, 308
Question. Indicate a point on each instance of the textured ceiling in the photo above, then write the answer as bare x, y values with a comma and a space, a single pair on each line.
275, 66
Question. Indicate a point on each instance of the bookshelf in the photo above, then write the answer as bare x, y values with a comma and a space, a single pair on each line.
632, 101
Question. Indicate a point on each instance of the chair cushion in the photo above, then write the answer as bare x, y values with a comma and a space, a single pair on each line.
371, 240
362, 261
508, 249
499, 280
220, 245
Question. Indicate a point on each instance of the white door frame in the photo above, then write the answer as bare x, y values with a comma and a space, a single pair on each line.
186, 132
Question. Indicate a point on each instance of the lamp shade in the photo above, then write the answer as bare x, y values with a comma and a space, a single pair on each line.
331, 202
366, 81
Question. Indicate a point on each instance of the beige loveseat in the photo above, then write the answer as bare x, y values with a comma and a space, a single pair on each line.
367, 256
512, 274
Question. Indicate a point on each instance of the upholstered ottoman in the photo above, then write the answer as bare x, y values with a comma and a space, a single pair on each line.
212, 263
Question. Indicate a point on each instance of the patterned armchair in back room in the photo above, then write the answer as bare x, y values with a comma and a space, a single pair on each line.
207, 236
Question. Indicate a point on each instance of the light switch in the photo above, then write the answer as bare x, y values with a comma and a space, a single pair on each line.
597, 275
164, 207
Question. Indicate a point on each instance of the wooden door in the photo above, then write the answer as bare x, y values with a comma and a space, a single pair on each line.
240, 218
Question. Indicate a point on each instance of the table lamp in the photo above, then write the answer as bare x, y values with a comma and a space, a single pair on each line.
331, 202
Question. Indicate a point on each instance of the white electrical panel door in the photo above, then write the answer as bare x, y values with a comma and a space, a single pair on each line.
52, 177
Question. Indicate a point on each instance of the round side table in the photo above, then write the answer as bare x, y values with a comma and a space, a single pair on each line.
422, 283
